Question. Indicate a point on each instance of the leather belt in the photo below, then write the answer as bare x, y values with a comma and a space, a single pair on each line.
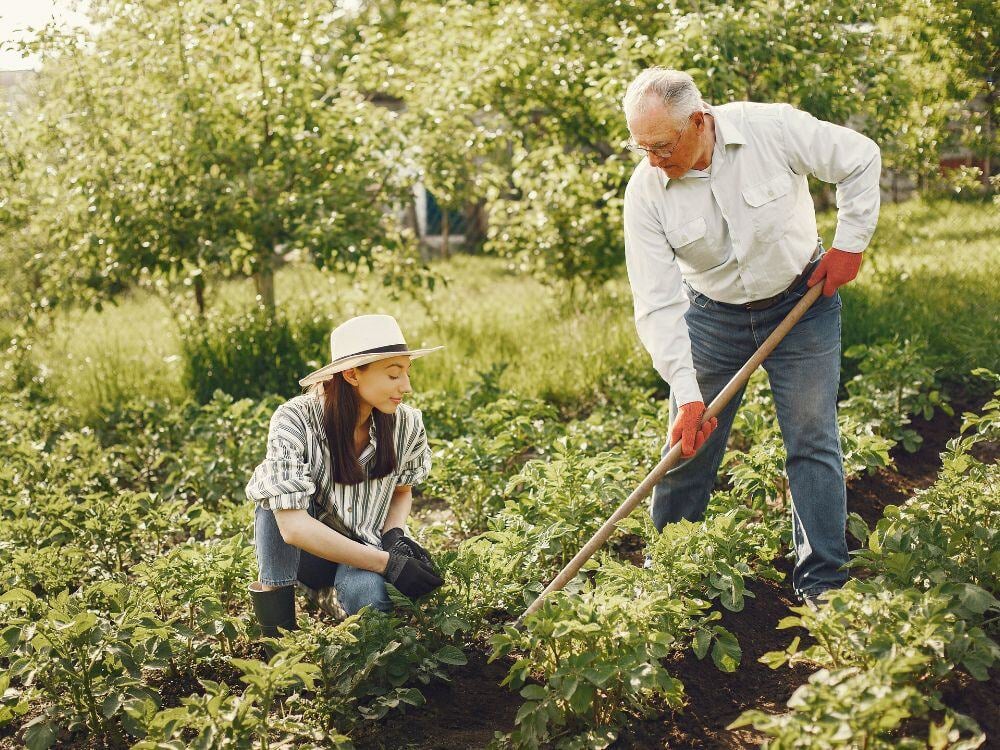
763, 304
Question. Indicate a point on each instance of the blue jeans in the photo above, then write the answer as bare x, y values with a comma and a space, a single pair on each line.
804, 371
278, 565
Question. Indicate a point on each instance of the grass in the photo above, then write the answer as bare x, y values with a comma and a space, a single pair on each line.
930, 272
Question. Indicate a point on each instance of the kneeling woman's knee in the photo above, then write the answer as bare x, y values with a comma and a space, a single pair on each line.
363, 589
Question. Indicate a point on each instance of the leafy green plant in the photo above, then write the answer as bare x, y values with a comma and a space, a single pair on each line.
598, 658
494, 576
923, 636
895, 382
220, 719
948, 532
198, 590
367, 666
578, 490
858, 708
246, 354
471, 471
84, 654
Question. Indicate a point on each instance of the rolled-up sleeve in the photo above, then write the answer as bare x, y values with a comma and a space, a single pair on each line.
658, 297
282, 480
415, 458
846, 158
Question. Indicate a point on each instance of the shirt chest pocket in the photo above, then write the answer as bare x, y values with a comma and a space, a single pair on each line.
691, 245
769, 205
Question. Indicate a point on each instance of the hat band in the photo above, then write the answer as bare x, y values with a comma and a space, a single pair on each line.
376, 350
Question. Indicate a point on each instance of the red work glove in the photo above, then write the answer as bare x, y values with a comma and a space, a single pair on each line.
837, 268
689, 429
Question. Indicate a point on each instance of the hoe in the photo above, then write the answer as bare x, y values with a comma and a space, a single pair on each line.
673, 456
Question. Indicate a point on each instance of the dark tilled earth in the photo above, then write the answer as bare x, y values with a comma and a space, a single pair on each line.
466, 713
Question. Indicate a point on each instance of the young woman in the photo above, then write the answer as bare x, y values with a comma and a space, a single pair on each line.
334, 491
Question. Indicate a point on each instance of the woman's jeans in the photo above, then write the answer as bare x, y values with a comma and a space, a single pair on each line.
278, 564
804, 371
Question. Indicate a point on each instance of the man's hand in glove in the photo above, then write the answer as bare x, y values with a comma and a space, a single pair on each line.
835, 269
412, 576
689, 430
395, 534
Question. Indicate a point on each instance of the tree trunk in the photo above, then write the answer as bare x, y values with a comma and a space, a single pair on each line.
414, 224
199, 294
444, 233
264, 281
987, 162
475, 225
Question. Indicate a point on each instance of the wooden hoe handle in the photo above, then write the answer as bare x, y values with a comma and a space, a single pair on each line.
673, 456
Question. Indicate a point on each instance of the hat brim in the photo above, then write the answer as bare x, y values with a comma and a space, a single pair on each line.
328, 371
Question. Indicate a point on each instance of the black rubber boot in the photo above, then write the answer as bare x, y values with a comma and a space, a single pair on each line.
274, 609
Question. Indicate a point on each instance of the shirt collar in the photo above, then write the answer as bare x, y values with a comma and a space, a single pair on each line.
369, 450
727, 133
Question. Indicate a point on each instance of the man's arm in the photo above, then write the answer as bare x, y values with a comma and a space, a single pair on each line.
843, 157
658, 298
660, 304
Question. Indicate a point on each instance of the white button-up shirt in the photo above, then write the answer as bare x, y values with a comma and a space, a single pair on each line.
744, 228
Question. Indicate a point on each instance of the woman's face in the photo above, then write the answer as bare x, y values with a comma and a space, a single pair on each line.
382, 384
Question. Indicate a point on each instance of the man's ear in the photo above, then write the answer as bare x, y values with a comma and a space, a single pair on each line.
351, 376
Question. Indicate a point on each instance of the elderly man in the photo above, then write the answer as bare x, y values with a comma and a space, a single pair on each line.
720, 243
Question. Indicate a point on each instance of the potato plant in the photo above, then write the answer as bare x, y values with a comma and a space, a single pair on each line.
897, 381
597, 656
219, 718
948, 532
84, 655
858, 708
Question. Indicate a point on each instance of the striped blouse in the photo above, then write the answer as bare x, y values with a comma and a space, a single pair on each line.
296, 471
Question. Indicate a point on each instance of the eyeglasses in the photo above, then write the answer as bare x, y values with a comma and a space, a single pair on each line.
659, 153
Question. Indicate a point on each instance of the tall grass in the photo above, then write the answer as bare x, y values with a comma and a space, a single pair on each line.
931, 272
90, 358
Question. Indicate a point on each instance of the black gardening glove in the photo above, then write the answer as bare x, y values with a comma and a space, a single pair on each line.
395, 534
411, 576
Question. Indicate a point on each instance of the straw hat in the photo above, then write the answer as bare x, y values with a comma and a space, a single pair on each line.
364, 339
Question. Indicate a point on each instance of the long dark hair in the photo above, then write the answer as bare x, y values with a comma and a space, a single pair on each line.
340, 416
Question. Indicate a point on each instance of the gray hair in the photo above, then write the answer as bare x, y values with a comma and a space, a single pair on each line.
674, 89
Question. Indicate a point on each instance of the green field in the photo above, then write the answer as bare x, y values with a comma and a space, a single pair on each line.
928, 275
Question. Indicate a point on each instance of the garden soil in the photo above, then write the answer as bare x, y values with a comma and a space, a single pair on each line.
465, 714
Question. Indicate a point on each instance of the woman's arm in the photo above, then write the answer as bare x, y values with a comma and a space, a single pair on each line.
301, 530
399, 508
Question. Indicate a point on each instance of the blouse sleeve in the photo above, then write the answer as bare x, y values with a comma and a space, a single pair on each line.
282, 480
415, 461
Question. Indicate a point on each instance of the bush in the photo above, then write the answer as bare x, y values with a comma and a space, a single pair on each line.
249, 354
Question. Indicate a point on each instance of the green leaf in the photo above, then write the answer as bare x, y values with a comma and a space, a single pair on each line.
702, 640
975, 599
774, 659
582, 698
40, 736
600, 673
857, 527
533, 692
451, 655
525, 710
726, 652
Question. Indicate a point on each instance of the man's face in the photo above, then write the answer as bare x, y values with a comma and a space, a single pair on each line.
656, 129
